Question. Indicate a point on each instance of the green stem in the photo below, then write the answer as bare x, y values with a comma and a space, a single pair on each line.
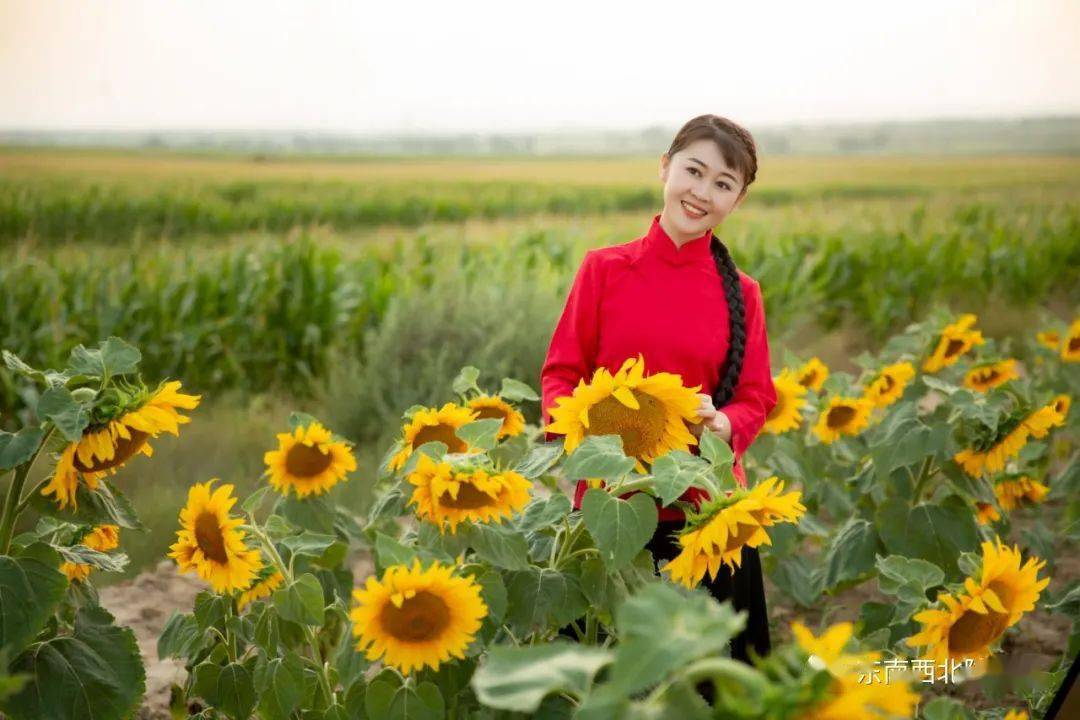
570, 538
924, 475
313, 641
13, 504
645, 483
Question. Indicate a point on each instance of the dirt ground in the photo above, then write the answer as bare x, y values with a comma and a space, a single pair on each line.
146, 602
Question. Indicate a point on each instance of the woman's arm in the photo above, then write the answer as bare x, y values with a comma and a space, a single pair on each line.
755, 395
571, 355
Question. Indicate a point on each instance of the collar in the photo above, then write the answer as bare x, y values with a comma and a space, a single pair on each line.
658, 244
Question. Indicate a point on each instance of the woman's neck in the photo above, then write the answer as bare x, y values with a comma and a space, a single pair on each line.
678, 238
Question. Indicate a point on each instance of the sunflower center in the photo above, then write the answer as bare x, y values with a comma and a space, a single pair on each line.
641, 430
1074, 343
741, 536
485, 413
122, 452
209, 538
1004, 591
954, 347
974, 631
808, 378
306, 461
468, 497
887, 383
422, 617
840, 416
441, 433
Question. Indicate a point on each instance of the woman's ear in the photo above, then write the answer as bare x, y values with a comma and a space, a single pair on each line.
665, 164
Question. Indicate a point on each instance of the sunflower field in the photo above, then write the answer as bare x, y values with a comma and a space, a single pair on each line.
942, 477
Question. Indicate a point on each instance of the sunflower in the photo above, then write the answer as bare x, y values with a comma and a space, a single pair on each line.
843, 416
493, 406
308, 460
718, 534
1023, 490
986, 513
1050, 339
413, 618
786, 415
650, 413
102, 538
986, 377
888, 386
210, 542
105, 447
1070, 345
846, 697
813, 374
260, 589
1061, 405
1011, 437
430, 425
1016, 715
975, 619
447, 495
955, 340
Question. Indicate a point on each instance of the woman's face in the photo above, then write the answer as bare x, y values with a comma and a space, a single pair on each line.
700, 188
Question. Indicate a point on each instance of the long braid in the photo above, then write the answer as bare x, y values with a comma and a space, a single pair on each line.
725, 389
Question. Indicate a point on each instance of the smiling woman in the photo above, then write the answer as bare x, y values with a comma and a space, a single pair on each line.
675, 300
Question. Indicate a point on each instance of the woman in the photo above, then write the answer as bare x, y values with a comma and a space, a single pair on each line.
676, 297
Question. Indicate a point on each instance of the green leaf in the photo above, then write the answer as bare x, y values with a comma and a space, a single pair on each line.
391, 701
82, 555
675, 472
621, 528
852, 552
301, 420
302, 601
17, 448
119, 358
544, 512
235, 691
390, 504
180, 637
715, 450
936, 533
798, 579
690, 625
389, 551
539, 460
95, 673
279, 684
314, 512
944, 708
104, 506
599, 456
518, 678
500, 546
516, 391
542, 597
210, 610
480, 434
69, 416
466, 380
253, 501
16, 364
907, 578
902, 439
30, 589
308, 544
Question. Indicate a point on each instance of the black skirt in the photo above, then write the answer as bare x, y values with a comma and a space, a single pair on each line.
745, 588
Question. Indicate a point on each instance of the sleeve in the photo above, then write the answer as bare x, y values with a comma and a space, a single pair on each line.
755, 395
571, 356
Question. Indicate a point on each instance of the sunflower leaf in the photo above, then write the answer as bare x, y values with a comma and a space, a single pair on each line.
300, 420
675, 472
599, 456
907, 578
385, 699
82, 555
519, 678
279, 683
104, 506
302, 601
499, 546
516, 391
542, 597
236, 691
93, 673
17, 448
539, 460
480, 434
852, 552
621, 528
30, 588
544, 512
69, 416
252, 502
466, 380
715, 450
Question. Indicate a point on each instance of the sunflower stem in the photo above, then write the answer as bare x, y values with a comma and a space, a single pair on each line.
924, 474
13, 505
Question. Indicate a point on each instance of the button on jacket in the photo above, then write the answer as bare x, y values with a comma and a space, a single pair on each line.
667, 303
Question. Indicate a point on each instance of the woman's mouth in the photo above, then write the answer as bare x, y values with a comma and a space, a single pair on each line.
693, 210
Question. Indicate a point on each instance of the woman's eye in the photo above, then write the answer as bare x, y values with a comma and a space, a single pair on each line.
724, 185
693, 170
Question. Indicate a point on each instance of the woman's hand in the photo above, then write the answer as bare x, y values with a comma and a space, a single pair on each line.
711, 418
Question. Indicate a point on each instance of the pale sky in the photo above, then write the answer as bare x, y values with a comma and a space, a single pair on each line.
376, 67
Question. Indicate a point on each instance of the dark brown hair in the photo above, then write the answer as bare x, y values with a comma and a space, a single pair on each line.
736, 144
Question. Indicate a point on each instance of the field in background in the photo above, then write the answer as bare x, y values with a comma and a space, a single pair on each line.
352, 288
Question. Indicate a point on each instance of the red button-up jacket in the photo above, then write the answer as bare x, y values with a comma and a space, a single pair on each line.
668, 304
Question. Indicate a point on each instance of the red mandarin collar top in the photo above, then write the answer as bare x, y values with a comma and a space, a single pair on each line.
667, 303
